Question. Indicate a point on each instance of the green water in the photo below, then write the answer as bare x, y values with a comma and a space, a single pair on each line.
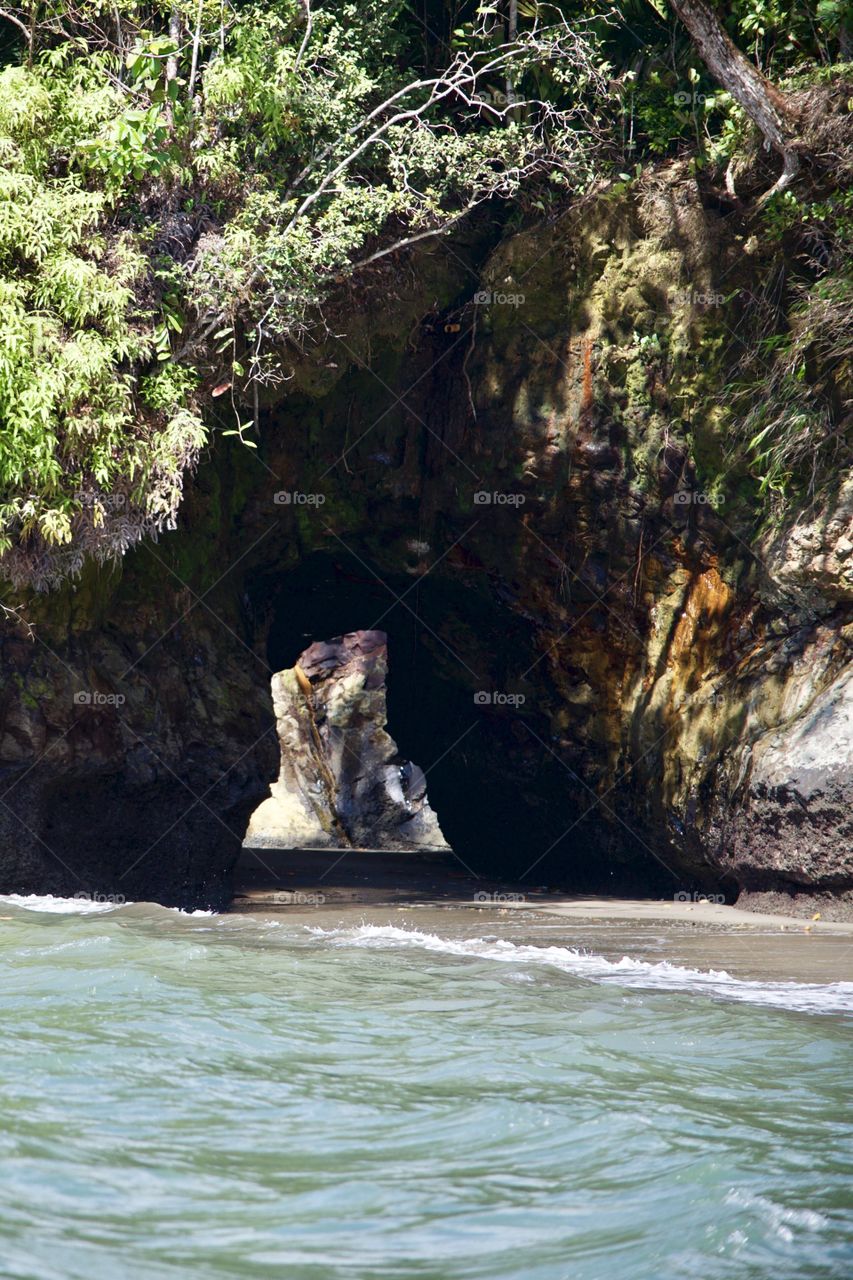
199, 1096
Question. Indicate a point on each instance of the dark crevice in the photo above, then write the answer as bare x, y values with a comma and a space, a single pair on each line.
508, 807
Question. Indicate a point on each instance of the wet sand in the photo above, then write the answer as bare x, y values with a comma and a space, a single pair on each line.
434, 895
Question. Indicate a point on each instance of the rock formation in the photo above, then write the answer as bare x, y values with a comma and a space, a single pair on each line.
664, 670
342, 782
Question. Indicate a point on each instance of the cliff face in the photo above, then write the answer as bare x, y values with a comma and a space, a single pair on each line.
515, 464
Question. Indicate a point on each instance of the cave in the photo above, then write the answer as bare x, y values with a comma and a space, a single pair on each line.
508, 806
657, 652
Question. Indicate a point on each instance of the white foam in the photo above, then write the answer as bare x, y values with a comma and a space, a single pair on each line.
46, 902
830, 997
781, 1221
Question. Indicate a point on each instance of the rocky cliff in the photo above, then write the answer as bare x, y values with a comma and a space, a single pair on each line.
619, 672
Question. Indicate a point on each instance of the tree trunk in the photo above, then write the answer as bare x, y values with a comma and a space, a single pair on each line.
175, 37
172, 60
512, 35
196, 46
761, 100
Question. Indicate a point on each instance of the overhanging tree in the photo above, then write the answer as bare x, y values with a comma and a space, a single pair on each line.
763, 102
184, 182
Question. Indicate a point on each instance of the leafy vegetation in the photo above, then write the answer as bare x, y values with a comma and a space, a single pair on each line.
797, 431
184, 184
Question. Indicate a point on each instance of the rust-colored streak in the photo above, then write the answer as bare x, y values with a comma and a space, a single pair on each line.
708, 600
586, 392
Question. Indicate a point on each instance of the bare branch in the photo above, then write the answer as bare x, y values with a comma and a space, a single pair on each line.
10, 17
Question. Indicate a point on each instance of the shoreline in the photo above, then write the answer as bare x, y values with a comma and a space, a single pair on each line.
675, 942
757, 950
281, 878
434, 896
580, 907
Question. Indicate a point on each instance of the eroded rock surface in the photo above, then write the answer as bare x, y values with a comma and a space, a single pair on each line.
342, 784
624, 678
798, 817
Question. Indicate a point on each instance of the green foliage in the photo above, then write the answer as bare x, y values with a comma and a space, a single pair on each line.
669, 115
169, 388
778, 32
183, 185
799, 425
75, 442
831, 218
133, 145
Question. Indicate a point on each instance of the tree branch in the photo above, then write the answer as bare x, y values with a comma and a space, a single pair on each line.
10, 17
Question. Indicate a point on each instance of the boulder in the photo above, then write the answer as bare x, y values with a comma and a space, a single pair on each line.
342, 783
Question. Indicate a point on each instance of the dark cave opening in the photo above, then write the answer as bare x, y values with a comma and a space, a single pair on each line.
506, 803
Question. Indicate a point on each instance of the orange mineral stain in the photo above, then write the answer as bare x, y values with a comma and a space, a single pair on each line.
708, 600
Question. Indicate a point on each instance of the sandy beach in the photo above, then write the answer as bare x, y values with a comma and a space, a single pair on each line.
434, 895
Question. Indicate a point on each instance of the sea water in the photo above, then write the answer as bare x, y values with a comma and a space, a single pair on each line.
194, 1096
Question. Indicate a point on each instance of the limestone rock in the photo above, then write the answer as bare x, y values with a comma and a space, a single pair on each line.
342, 782
798, 820
811, 561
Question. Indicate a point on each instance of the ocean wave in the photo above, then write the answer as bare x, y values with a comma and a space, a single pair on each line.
47, 902
829, 997
780, 1221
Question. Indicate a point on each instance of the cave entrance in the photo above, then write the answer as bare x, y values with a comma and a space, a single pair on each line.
506, 805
